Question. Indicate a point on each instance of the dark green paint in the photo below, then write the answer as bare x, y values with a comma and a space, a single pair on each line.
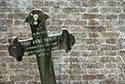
41, 45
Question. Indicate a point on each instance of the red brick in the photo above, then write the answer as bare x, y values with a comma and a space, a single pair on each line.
3, 53
93, 22
75, 22
92, 16
3, 47
17, 16
93, 34
111, 16
18, 78
111, 41
38, 4
75, 77
95, 28
92, 77
62, 77
92, 3
71, 10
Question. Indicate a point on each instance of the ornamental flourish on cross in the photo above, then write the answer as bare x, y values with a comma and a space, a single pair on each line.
41, 45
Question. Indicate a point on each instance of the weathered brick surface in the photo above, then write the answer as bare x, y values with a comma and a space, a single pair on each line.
98, 56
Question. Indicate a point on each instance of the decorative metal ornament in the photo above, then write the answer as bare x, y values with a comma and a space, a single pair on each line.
41, 45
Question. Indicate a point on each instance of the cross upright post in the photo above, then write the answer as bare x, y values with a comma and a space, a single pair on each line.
41, 45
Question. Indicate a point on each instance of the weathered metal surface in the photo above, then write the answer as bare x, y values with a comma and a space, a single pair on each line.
41, 45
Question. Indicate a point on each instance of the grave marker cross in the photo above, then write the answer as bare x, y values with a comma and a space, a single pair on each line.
41, 45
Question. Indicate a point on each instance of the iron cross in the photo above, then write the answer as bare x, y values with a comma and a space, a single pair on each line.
41, 45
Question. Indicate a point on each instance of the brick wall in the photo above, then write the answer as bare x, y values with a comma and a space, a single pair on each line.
98, 56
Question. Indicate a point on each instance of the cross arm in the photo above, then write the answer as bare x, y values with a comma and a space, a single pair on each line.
64, 41
39, 45
18, 47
